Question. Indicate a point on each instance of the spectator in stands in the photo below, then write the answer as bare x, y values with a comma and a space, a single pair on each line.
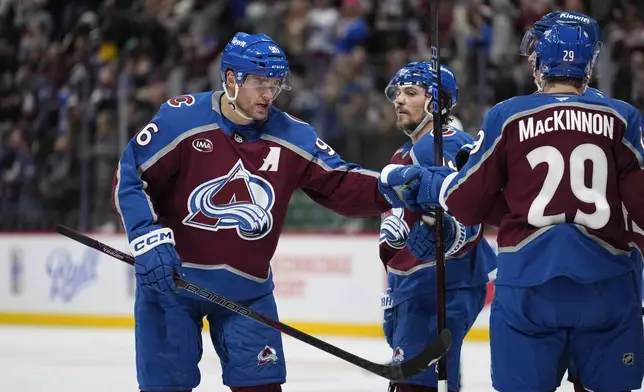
79, 78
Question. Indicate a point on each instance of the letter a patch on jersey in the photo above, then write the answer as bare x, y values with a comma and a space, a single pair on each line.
272, 160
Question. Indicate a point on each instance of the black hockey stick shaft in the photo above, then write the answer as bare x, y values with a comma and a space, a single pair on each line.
398, 372
438, 161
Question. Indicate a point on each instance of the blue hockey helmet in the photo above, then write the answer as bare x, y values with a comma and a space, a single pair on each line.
255, 54
565, 51
420, 73
534, 35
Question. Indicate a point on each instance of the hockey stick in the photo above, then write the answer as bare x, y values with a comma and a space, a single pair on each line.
438, 161
399, 372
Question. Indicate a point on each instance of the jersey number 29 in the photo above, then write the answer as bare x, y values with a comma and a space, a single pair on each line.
596, 194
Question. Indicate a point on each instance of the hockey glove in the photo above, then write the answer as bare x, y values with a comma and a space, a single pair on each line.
156, 260
399, 185
431, 180
422, 238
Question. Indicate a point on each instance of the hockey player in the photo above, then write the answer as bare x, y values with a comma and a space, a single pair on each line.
203, 191
591, 27
409, 256
564, 163
527, 48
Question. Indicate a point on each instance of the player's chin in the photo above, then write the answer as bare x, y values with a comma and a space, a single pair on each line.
260, 112
405, 124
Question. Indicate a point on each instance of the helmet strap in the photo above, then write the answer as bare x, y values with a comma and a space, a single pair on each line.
535, 72
233, 102
428, 117
536, 83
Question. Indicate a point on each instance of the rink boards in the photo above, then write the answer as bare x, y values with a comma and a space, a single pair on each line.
325, 284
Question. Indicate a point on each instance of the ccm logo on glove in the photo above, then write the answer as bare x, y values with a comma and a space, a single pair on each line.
148, 241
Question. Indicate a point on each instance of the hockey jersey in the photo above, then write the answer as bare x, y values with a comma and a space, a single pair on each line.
638, 233
224, 189
563, 164
408, 276
637, 243
500, 208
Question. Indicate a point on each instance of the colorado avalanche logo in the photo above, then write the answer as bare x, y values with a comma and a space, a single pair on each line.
267, 355
398, 356
239, 200
178, 101
393, 228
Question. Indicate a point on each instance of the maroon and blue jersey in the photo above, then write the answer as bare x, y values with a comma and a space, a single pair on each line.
224, 189
408, 276
566, 167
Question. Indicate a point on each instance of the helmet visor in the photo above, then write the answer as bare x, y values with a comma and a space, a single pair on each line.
392, 91
528, 44
267, 84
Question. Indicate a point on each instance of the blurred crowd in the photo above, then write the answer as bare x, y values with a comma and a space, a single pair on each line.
78, 78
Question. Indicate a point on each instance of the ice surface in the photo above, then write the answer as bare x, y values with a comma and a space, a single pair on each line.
98, 360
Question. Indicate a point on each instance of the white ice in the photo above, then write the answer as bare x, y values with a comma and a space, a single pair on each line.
81, 360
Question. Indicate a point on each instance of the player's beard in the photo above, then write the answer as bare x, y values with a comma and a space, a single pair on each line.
408, 125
